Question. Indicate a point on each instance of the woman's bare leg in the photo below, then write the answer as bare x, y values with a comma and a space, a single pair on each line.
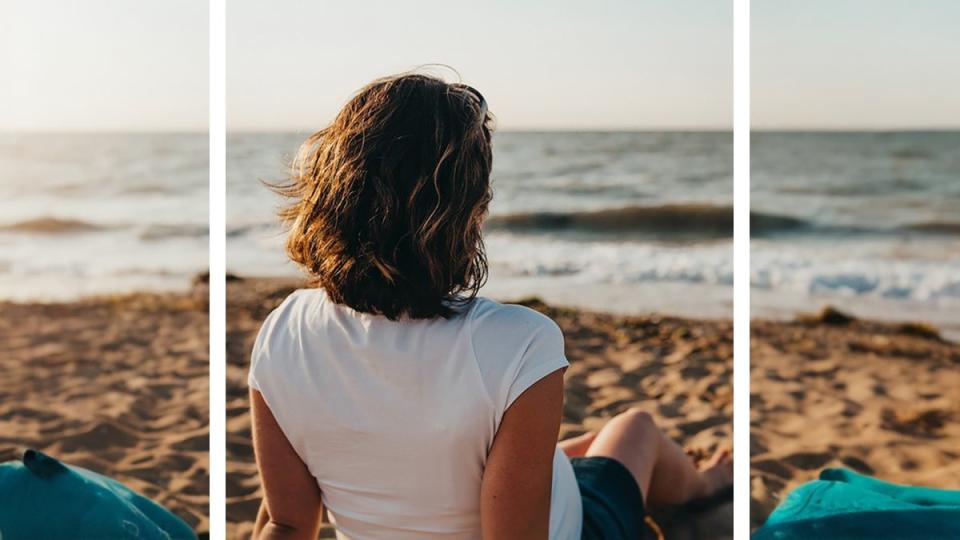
665, 474
263, 517
577, 446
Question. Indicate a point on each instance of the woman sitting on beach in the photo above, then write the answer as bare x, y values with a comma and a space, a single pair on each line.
396, 398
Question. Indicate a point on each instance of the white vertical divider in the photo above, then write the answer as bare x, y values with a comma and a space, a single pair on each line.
218, 393
741, 267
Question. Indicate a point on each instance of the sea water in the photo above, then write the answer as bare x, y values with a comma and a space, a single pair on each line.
90, 214
625, 222
866, 222
630, 222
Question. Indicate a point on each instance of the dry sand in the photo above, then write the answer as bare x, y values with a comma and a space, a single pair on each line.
679, 370
118, 385
829, 391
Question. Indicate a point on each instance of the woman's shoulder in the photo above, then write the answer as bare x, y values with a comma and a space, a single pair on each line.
299, 300
514, 346
509, 319
289, 313
489, 308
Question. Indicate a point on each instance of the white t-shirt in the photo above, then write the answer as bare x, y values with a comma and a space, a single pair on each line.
395, 418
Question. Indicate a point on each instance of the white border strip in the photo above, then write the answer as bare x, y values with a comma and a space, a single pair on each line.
218, 376
741, 268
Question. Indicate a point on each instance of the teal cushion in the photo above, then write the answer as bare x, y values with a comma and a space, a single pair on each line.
42, 498
845, 505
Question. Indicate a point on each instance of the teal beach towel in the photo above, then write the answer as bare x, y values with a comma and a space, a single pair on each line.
845, 505
42, 498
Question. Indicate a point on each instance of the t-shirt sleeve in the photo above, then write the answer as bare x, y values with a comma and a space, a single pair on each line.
259, 355
256, 360
543, 356
271, 359
515, 347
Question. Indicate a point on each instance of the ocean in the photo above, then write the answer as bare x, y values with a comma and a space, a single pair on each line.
87, 214
615, 221
625, 222
866, 222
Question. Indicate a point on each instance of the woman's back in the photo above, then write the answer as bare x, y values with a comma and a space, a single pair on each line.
395, 418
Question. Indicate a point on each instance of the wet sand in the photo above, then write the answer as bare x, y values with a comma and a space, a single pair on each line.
829, 391
118, 385
677, 369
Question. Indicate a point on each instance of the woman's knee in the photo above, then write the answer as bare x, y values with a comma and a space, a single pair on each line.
632, 438
636, 420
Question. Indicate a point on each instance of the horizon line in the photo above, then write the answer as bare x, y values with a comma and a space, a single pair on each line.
854, 129
99, 131
707, 129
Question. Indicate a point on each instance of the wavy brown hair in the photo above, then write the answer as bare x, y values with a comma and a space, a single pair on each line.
388, 200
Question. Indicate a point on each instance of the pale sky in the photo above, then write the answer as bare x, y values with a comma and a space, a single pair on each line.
563, 64
142, 65
103, 65
855, 64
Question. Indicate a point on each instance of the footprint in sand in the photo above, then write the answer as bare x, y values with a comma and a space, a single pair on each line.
808, 461
773, 467
195, 443
29, 414
758, 445
101, 436
694, 372
926, 423
857, 464
691, 428
851, 408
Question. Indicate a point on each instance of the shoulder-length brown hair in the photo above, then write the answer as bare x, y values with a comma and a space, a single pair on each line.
388, 200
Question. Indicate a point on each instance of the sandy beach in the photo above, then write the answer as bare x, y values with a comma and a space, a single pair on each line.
678, 369
829, 391
118, 385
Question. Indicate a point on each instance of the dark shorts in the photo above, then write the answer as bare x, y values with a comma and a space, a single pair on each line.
612, 501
